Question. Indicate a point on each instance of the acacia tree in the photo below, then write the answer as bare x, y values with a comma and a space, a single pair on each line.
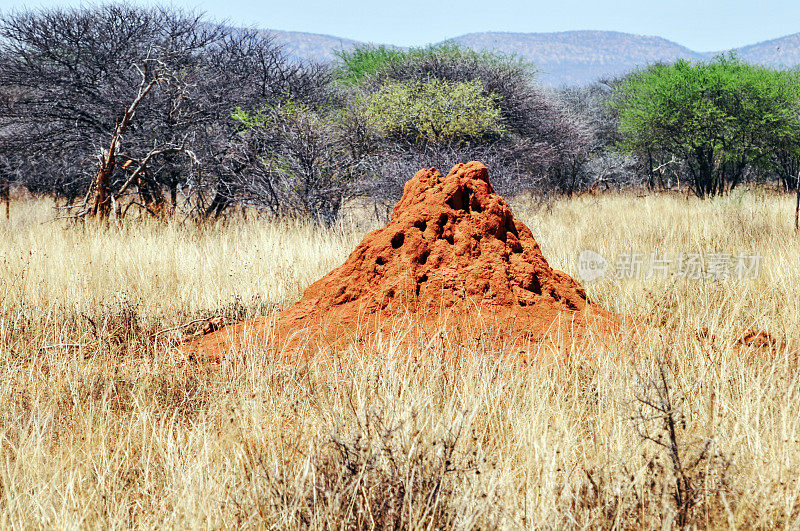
128, 102
718, 118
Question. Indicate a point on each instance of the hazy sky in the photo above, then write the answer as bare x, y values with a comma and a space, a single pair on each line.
703, 25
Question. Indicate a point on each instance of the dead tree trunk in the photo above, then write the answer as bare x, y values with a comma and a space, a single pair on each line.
5, 195
101, 206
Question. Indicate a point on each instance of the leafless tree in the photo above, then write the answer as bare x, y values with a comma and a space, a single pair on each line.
301, 160
603, 165
129, 104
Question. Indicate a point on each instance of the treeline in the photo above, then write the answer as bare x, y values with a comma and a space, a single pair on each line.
118, 108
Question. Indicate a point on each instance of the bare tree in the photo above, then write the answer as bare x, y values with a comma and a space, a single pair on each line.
123, 104
299, 160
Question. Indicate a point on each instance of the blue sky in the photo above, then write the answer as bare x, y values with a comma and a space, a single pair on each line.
698, 24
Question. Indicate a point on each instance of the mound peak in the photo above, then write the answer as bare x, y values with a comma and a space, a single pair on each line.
450, 239
451, 247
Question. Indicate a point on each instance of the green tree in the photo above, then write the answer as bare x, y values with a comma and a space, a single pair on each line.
355, 65
718, 118
444, 104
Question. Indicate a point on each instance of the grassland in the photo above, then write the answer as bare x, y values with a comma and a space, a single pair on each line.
102, 425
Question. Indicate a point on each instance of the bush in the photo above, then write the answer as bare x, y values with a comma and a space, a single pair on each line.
298, 160
434, 111
440, 105
362, 61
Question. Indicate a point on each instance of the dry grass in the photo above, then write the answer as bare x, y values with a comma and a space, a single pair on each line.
100, 426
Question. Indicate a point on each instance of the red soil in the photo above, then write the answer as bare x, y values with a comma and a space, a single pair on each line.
452, 259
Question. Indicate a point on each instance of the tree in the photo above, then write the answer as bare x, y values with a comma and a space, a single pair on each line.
433, 111
299, 160
719, 118
605, 166
126, 103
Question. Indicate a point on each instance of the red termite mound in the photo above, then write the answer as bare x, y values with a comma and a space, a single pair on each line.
452, 253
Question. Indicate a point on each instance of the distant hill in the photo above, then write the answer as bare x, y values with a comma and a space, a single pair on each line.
311, 46
580, 57
782, 52
569, 57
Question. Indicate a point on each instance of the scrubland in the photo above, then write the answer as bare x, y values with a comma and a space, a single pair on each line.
104, 424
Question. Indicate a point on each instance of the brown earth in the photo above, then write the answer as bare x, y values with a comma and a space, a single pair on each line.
452, 262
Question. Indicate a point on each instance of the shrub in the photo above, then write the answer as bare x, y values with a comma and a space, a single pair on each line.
434, 111
297, 159
362, 61
444, 104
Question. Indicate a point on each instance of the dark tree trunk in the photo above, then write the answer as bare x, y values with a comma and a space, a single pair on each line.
218, 205
151, 195
797, 204
102, 192
173, 196
5, 196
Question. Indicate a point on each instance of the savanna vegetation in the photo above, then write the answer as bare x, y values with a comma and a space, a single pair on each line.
163, 174
102, 424
116, 109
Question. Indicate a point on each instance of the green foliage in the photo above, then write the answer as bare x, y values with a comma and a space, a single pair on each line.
454, 53
434, 111
717, 117
272, 115
362, 61
368, 61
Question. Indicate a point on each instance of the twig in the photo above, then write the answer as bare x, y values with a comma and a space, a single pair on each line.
164, 331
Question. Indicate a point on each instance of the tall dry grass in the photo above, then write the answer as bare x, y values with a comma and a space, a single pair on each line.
102, 426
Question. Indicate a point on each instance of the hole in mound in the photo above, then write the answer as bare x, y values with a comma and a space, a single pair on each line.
475, 205
423, 257
449, 238
397, 240
535, 286
459, 201
380, 261
422, 280
421, 225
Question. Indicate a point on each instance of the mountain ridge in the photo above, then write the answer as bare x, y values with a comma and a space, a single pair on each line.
571, 58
